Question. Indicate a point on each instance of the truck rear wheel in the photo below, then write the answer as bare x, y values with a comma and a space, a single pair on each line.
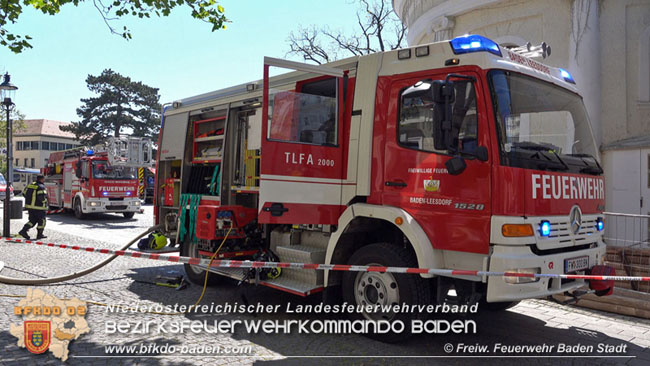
78, 213
194, 273
376, 288
128, 215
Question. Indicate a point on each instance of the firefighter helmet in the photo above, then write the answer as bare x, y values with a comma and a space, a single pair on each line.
154, 241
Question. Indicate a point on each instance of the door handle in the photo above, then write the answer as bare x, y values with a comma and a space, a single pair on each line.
395, 184
276, 209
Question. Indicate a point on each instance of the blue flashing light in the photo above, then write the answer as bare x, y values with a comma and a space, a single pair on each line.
600, 224
474, 43
545, 228
128, 193
90, 153
104, 193
567, 77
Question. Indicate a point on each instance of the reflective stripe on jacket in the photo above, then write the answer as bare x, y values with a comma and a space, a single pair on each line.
35, 197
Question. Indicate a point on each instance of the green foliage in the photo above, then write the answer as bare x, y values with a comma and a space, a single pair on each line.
10, 10
120, 104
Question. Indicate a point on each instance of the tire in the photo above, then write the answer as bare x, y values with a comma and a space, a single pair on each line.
497, 306
194, 274
128, 215
78, 213
388, 288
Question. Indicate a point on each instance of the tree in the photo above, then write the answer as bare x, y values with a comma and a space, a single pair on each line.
121, 104
18, 125
110, 10
379, 30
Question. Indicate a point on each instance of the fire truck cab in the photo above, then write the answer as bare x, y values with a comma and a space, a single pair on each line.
458, 155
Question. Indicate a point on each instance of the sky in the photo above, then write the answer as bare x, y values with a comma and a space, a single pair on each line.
177, 54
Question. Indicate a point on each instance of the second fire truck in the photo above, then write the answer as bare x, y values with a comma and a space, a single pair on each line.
97, 180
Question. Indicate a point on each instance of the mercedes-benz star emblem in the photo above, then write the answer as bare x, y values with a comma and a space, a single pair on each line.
575, 219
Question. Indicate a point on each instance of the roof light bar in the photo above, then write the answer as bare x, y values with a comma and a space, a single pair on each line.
474, 43
567, 77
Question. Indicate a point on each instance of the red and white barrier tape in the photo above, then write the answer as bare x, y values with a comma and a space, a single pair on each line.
222, 263
49, 212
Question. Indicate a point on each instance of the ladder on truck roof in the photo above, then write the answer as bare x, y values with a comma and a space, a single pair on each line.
129, 151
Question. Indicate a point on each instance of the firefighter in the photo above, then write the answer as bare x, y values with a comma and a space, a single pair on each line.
36, 204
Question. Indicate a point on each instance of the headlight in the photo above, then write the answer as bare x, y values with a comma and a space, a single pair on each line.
516, 280
94, 204
600, 224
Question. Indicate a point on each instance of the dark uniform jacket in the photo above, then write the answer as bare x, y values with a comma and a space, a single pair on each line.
35, 197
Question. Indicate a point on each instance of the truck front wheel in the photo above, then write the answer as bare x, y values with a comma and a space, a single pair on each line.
128, 215
78, 213
194, 273
385, 289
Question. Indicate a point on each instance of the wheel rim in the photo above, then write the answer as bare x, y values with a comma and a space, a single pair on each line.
193, 251
374, 288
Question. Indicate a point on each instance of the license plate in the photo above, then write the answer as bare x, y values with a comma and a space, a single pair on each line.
576, 264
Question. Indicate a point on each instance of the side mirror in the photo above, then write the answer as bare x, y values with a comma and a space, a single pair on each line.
455, 165
443, 95
481, 153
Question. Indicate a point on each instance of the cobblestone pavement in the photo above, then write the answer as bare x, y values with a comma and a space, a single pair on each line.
532, 322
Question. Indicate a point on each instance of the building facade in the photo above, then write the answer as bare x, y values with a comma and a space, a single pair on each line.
33, 144
604, 44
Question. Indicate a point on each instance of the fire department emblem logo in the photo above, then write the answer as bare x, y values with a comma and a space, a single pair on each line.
37, 335
431, 185
575, 219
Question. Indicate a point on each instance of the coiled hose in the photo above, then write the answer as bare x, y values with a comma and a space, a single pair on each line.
45, 281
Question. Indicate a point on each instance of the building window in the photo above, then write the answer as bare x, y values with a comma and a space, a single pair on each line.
34, 145
68, 146
45, 145
25, 163
19, 145
17, 162
32, 165
61, 146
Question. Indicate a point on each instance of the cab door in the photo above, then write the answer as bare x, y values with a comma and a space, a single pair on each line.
302, 167
454, 210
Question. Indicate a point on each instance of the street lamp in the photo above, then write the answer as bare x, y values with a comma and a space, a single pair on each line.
7, 91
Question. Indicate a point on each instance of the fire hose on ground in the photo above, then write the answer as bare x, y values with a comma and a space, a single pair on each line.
221, 263
49, 280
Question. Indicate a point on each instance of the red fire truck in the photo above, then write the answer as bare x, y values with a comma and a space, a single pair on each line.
97, 180
459, 155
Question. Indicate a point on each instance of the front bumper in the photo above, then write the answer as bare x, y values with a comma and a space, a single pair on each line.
511, 257
106, 205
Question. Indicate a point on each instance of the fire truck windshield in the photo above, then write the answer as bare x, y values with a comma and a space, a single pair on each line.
541, 126
103, 170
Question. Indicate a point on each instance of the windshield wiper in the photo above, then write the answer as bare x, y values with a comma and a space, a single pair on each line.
589, 169
542, 149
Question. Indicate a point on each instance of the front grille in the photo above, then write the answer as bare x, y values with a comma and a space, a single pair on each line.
561, 231
117, 207
114, 198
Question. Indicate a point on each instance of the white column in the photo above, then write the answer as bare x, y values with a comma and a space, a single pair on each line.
442, 28
584, 58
